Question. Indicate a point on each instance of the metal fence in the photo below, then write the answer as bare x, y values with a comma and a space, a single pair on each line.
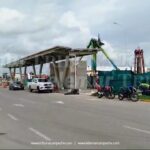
118, 79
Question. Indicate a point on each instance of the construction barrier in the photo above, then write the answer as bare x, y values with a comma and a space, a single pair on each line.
5, 84
119, 78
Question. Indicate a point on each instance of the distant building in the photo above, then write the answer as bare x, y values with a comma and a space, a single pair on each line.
110, 68
106, 68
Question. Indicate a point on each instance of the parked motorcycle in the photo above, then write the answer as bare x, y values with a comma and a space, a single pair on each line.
128, 92
145, 89
106, 91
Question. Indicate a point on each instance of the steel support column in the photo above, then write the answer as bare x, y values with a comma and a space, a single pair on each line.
41, 67
14, 73
10, 73
25, 71
20, 70
34, 70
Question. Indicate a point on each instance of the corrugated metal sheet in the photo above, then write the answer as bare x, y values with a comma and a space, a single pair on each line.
118, 78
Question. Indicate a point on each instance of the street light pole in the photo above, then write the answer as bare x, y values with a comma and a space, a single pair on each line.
75, 70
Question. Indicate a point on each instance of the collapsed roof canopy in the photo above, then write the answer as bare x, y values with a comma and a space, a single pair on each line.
53, 54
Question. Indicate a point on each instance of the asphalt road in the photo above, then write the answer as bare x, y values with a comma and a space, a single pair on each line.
49, 121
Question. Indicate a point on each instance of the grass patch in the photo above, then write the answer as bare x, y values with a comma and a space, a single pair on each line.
144, 98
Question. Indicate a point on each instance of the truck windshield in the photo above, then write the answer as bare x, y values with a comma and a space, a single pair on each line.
43, 80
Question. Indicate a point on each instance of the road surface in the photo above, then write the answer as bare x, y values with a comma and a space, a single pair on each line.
55, 121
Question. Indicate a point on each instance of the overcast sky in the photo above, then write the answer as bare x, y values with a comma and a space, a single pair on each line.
27, 26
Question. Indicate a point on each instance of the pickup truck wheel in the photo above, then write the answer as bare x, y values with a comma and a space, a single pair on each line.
30, 89
50, 91
38, 89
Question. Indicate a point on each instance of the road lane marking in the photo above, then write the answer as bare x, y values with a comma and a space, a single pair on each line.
12, 117
92, 99
26, 100
136, 129
18, 105
59, 102
40, 134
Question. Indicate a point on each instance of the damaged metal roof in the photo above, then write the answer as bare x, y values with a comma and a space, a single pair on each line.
56, 53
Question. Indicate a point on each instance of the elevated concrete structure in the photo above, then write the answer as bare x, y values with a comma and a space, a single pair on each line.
52, 56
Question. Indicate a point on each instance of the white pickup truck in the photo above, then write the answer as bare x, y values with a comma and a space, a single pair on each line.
41, 84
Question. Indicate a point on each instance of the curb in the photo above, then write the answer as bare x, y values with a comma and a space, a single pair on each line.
147, 101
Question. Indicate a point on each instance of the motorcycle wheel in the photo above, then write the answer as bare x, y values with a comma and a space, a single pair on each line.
111, 96
100, 95
120, 96
134, 97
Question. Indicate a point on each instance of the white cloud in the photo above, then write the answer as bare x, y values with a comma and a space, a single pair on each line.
8, 15
110, 50
145, 46
10, 20
36, 25
69, 20
69, 30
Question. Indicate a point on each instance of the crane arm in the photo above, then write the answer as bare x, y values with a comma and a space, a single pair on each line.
106, 55
94, 43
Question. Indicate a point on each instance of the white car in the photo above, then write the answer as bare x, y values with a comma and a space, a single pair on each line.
41, 84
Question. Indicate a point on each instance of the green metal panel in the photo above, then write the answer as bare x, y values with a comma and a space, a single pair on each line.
25, 82
117, 84
94, 62
141, 78
118, 79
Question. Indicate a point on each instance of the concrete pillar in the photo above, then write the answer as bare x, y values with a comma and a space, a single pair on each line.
57, 76
14, 73
51, 70
20, 70
66, 72
34, 70
10, 73
25, 71
41, 67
